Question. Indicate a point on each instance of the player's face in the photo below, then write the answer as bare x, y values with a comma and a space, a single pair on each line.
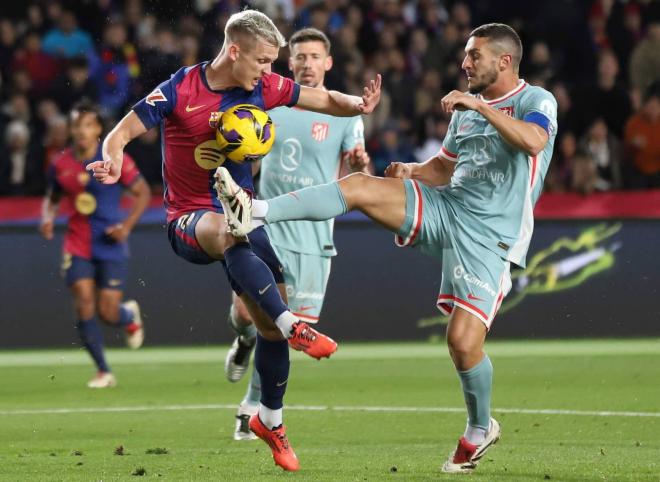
309, 62
480, 64
251, 62
85, 130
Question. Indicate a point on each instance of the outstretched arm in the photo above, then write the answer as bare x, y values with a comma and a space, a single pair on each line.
108, 170
341, 105
437, 171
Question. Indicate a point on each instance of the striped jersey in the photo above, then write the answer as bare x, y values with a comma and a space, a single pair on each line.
96, 206
181, 106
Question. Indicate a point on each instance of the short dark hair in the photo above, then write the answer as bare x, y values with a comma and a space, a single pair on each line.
310, 35
86, 106
505, 36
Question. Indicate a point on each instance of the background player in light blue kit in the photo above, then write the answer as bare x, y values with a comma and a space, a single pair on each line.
309, 149
493, 162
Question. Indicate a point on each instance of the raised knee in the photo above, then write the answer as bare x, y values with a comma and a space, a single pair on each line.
352, 188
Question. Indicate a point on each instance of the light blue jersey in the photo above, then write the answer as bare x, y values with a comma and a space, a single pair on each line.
495, 186
482, 220
307, 151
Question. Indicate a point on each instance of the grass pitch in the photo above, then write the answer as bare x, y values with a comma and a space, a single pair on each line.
570, 411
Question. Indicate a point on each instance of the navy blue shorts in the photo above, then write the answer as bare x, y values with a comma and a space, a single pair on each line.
181, 233
109, 274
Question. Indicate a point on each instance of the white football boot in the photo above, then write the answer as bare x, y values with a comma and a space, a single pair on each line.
238, 359
134, 339
466, 456
242, 430
102, 380
236, 203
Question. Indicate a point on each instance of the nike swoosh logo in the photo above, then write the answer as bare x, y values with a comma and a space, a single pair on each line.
263, 290
190, 109
279, 384
305, 308
472, 297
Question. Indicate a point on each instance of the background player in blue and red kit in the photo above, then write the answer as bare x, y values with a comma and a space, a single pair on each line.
182, 105
95, 252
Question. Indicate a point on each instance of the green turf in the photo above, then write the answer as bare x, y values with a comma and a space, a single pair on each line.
176, 399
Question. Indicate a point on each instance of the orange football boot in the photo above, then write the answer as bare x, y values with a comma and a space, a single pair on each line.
308, 340
283, 453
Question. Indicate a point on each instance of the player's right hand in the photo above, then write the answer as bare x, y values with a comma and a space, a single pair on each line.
400, 170
46, 229
106, 172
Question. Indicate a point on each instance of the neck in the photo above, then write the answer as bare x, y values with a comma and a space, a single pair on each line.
504, 84
218, 73
83, 154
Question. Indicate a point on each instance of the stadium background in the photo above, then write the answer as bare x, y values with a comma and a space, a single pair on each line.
598, 58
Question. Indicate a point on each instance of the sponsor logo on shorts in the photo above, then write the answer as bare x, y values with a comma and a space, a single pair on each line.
114, 282
308, 295
460, 273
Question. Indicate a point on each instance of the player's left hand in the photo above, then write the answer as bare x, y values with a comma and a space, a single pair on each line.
371, 96
117, 232
457, 100
357, 159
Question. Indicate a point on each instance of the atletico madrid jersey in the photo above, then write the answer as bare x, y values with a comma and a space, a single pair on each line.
182, 106
307, 151
96, 206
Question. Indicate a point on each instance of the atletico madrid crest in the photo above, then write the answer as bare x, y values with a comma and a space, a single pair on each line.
320, 131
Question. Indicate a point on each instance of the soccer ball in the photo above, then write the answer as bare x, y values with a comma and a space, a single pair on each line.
245, 133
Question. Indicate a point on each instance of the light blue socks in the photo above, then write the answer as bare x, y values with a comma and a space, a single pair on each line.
477, 388
314, 203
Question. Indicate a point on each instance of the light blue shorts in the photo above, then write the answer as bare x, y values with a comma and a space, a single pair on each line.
306, 279
474, 278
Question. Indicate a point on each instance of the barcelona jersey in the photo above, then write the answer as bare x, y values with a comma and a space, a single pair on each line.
96, 206
182, 106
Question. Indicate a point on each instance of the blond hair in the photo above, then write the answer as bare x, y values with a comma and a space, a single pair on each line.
252, 25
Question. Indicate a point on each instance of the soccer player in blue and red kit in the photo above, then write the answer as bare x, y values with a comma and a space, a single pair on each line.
182, 105
95, 253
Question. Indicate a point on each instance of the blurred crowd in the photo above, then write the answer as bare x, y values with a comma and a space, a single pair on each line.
599, 58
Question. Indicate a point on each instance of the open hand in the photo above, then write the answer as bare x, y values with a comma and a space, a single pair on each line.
371, 96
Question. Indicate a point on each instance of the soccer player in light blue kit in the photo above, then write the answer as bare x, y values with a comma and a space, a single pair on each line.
309, 149
492, 166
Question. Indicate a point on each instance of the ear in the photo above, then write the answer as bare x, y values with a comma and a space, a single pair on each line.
328, 63
505, 62
234, 51
291, 63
